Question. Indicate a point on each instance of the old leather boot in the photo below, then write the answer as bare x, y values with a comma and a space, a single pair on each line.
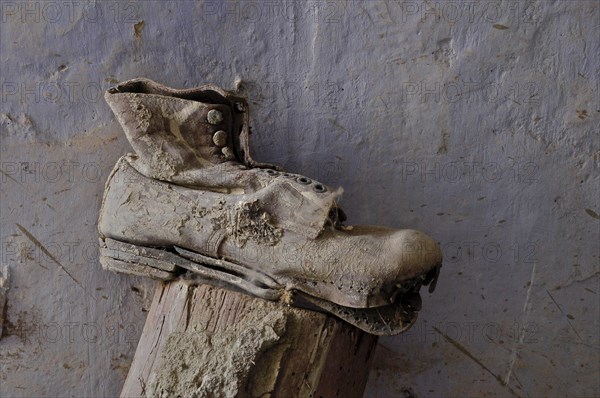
192, 199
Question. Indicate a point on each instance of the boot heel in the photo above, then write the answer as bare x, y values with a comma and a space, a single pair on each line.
136, 260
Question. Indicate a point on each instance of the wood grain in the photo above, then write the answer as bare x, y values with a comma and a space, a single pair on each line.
315, 356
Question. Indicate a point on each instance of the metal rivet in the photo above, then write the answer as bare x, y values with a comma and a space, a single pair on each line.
220, 138
239, 106
214, 116
228, 153
319, 188
303, 180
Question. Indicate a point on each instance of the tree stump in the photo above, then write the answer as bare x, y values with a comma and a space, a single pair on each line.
205, 341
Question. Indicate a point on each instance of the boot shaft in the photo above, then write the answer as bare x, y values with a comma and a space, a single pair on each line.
174, 132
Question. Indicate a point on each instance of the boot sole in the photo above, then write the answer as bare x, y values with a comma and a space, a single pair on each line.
166, 265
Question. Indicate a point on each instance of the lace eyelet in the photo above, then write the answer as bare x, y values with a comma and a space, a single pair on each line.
303, 180
320, 188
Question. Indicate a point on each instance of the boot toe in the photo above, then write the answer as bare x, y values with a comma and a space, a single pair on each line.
415, 261
408, 260
416, 253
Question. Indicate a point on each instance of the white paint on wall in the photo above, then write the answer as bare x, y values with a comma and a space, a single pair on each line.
476, 122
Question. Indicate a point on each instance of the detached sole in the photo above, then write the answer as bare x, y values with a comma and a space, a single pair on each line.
166, 265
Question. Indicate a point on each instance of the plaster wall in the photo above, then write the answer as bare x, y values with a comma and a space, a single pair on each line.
476, 122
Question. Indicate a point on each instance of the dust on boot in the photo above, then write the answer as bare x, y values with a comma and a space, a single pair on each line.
192, 200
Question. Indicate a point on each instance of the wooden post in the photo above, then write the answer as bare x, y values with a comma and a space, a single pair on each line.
205, 341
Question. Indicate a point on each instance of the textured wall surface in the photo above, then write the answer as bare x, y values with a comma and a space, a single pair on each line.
476, 122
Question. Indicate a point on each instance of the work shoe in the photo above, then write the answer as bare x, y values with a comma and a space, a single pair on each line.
192, 200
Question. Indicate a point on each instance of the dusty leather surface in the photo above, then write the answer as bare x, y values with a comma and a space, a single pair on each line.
191, 184
173, 141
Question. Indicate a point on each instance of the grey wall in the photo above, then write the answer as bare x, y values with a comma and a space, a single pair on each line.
476, 122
